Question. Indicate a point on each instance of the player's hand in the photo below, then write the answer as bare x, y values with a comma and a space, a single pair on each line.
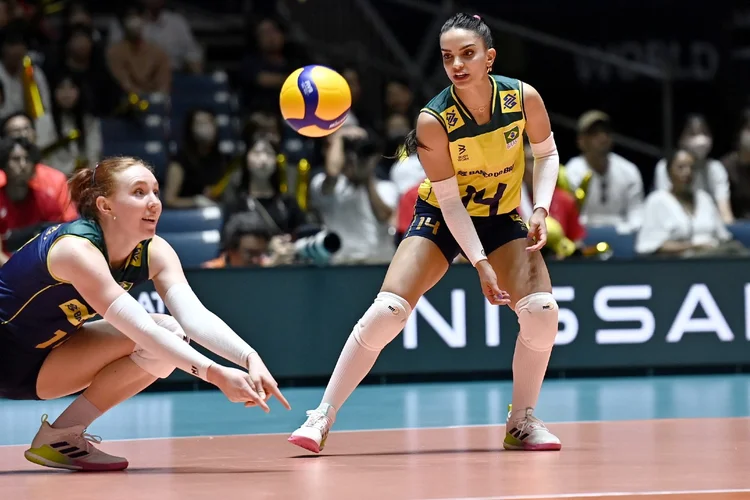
265, 385
236, 385
488, 279
537, 230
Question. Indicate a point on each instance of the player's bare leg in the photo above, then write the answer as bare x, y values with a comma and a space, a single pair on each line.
525, 277
417, 265
111, 369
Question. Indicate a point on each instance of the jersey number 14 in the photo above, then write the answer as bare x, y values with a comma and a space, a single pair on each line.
478, 197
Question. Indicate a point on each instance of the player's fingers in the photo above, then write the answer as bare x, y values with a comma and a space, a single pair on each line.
277, 392
260, 390
537, 241
251, 395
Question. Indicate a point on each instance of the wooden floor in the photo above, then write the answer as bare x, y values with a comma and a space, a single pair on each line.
702, 459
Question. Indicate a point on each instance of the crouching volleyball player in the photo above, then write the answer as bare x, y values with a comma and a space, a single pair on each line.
52, 287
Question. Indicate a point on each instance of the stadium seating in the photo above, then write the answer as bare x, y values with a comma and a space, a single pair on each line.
194, 247
189, 220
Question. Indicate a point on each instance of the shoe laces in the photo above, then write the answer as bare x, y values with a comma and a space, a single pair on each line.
529, 422
91, 438
318, 420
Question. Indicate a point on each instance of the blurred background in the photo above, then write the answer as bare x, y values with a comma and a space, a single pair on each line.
648, 246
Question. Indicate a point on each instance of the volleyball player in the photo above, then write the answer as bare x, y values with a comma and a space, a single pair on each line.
469, 141
53, 287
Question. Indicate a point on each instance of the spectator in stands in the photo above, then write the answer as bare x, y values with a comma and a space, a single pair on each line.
358, 116
20, 125
614, 194
77, 13
683, 220
249, 244
263, 126
351, 201
258, 191
564, 207
198, 164
397, 126
31, 195
399, 100
138, 65
265, 68
709, 174
4, 13
737, 164
80, 56
406, 173
171, 32
76, 132
13, 49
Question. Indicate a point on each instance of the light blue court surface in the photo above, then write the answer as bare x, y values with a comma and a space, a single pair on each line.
201, 413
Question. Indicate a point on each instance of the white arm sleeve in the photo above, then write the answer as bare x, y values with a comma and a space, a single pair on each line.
458, 220
205, 327
129, 317
546, 167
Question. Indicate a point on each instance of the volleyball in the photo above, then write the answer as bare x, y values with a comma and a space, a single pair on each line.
315, 101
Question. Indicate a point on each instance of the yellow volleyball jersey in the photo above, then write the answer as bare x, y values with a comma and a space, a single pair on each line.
488, 159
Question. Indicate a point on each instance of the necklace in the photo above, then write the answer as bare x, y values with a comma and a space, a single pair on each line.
479, 109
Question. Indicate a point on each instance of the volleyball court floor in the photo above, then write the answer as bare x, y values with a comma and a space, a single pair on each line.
639, 438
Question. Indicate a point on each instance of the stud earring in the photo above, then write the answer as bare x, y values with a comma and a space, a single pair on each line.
114, 217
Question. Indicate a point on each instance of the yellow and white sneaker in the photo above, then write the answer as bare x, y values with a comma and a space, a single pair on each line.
313, 433
71, 449
529, 433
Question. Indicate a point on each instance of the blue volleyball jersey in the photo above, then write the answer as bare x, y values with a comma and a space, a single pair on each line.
41, 311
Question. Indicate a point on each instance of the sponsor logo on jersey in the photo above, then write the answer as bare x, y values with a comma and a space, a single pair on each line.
452, 119
462, 154
510, 101
137, 256
512, 137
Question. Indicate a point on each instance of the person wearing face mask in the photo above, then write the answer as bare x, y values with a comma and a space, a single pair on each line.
709, 173
737, 164
138, 65
258, 192
198, 164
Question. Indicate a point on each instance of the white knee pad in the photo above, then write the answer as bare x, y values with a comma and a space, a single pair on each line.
150, 363
382, 322
537, 316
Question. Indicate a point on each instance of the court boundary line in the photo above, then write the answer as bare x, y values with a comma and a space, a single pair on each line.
397, 429
604, 494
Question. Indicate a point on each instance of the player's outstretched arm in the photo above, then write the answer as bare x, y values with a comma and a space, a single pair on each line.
546, 162
434, 154
76, 261
202, 325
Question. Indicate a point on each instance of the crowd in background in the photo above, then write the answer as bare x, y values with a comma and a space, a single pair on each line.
60, 77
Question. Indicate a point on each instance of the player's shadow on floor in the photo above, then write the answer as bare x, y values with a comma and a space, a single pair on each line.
406, 452
146, 470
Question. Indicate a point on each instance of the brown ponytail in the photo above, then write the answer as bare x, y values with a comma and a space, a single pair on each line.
88, 184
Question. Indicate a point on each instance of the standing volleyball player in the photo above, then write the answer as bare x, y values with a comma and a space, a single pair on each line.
469, 140
52, 288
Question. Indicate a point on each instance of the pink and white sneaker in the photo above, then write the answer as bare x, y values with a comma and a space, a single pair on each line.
70, 448
528, 433
313, 433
